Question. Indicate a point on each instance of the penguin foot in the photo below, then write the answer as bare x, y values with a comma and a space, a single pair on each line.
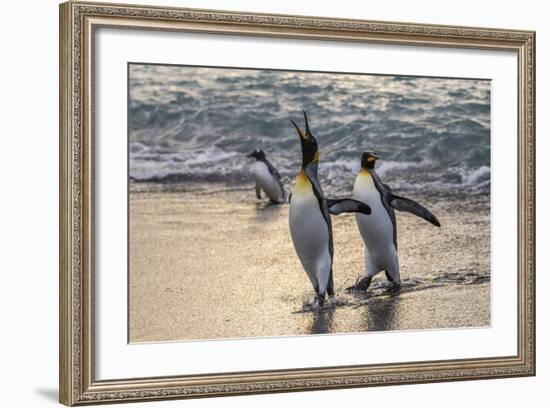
361, 284
275, 202
395, 287
331, 302
320, 300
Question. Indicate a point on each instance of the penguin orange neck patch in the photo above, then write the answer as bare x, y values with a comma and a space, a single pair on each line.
302, 182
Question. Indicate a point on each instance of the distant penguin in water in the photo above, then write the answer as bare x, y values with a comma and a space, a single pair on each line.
379, 229
268, 178
309, 218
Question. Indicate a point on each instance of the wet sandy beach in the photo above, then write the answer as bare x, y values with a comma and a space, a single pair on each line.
209, 264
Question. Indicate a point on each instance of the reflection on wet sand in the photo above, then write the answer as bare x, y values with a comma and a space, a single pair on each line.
267, 212
322, 320
382, 313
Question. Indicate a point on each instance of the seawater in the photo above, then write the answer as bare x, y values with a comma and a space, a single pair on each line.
197, 124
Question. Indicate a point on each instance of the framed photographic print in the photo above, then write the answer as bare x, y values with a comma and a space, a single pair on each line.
256, 203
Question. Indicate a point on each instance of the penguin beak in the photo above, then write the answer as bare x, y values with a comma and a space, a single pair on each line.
374, 157
308, 133
250, 154
300, 133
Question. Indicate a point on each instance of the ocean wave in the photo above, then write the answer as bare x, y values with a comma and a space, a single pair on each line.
198, 124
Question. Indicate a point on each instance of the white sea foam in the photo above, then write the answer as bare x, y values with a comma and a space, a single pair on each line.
474, 176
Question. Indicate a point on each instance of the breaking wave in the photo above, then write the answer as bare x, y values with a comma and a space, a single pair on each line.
197, 124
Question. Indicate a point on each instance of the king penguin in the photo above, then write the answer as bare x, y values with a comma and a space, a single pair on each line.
268, 178
379, 229
309, 218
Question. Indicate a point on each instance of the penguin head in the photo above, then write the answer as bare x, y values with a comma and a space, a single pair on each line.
258, 154
368, 159
310, 149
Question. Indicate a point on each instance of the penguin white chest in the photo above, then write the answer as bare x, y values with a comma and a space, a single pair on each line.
310, 234
376, 228
267, 181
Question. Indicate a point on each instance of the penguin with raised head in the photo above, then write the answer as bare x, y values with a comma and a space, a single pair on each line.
379, 229
268, 178
309, 218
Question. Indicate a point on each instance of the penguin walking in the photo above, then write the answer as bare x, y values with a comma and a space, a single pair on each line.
268, 178
379, 229
309, 218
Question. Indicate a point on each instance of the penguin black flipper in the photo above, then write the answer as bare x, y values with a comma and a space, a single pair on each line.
404, 204
318, 192
338, 206
272, 170
323, 206
276, 175
385, 193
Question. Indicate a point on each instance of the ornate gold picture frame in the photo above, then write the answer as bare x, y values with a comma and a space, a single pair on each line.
78, 24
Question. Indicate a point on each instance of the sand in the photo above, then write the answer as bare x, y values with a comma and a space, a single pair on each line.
215, 263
